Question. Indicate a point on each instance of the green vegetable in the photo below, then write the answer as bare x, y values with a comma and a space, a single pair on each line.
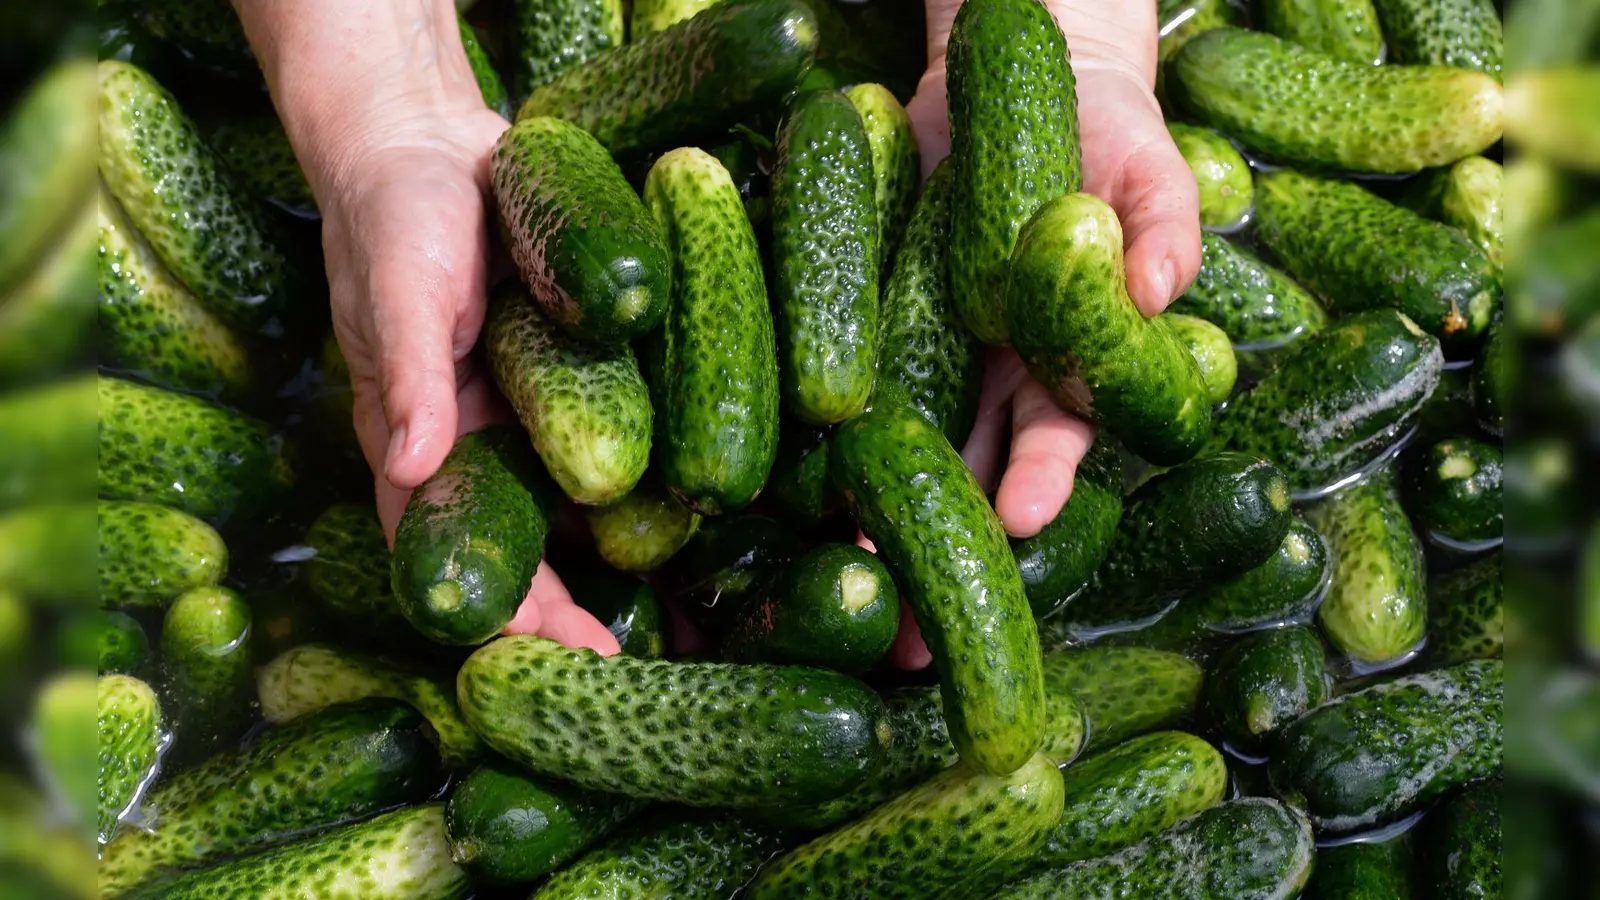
1266, 314
651, 16
1464, 34
258, 155
627, 606
205, 650
642, 531
47, 554
1344, 29
683, 857
556, 36
799, 490
1265, 681
1378, 870
1060, 560
46, 317
1469, 195
349, 567
836, 607
489, 84
150, 554
1448, 410
1455, 493
47, 442
1465, 838
1181, 20
1491, 380
1547, 118
1125, 691
1227, 188
1212, 352
1285, 588
896, 166
121, 644
46, 140
129, 739
725, 564
207, 32
1466, 614
62, 750
1553, 288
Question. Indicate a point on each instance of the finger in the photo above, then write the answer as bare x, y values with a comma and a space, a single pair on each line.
1003, 372
929, 112
570, 625
909, 651
1160, 212
1047, 444
528, 618
416, 372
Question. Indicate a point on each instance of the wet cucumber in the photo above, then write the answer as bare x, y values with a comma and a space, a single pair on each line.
1455, 493
1285, 588
1266, 314
642, 531
205, 652
349, 566
1265, 681
470, 538
48, 141
835, 607
1082, 337
922, 508
46, 319
1377, 870
1465, 837
129, 739
1411, 740
1212, 352
556, 36
698, 76
1343, 29
1181, 20
1466, 614
799, 490
724, 565
650, 16
718, 382
489, 83
749, 735
121, 644
1227, 187
46, 554
693, 857
586, 246
1463, 34
257, 152
626, 605
1013, 142
1292, 104
208, 33
48, 442
1470, 195
1376, 608
1058, 562
150, 554
1125, 691
896, 165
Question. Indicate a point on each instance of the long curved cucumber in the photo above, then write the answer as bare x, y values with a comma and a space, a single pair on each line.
1462, 34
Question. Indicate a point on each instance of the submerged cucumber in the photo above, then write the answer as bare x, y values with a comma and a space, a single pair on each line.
257, 152
1265, 681
130, 739
1466, 614
1227, 187
1266, 314
1377, 870
1455, 493
694, 857
205, 651
1058, 562
1285, 588
150, 554
120, 642
1344, 29
1125, 691
642, 531
349, 567
1464, 838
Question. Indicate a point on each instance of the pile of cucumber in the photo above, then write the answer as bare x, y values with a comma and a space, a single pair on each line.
1260, 642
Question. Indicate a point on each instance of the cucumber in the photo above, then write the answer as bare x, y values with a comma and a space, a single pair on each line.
184, 452
1376, 870
1358, 251
121, 644
401, 854
1537, 123
599, 723
1124, 691
1212, 352
47, 140
835, 607
627, 606
1132, 792
61, 749
1553, 288
1466, 614
724, 565
586, 407
1013, 142
1411, 740
1464, 835
1339, 404
46, 318
1376, 606
205, 651
339, 765
505, 827
718, 382
1249, 849
1060, 560
1448, 409
349, 565
1343, 29
909, 847
1265, 681
927, 359
587, 247
896, 165
46, 554
556, 36
650, 16
743, 157
1292, 104
150, 554
1463, 34
470, 539
130, 739
920, 505
310, 677
1266, 314
696, 77
1455, 490
257, 153
825, 254
799, 490
1469, 195
1181, 20
150, 323
176, 190
489, 83
1082, 337
694, 857
642, 531
1227, 187
207, 32
1285, 588
49, 447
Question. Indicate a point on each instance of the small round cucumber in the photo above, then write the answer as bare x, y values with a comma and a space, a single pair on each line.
1285, 588
896, 165
1471, 197
130, 737
1343, 29
205, 651
1455, 492
1058, 562
1365, 870
625, 604
1212, 351
836, 607
724, 565
1464, 836
1125, 691
1227, 187
150, 554
695, 857
642, 531
1265, 681
1466, 614
1265, 313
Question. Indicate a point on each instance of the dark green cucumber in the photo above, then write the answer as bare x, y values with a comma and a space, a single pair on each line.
48, 140
1376, 870
650, 16
556, 36
1227, 187
341, 764
1491, 380
489, 83
1376, 608
1125, 691
1462, 34
470, 538
743, 158
718, 381
907, 849
799, 490
121, 644
1132, 792
1180, 20
207, 32
920, 505
205, 652
150, 554
695, 857
698, 76
1470, 195
179, 194
825, 255
1250, 849
1343, 29
129, 739
184, 452
587, 247
257, 152
1466, 614
836, 607
642, 531
46, 320
1285, 588
586, 407
1014, 143
1448, 410
896, 165
1060, 560
1264, 312
349, 566
927, 359
728, 736
1082, 337
1455, 492
626, 605
1464, 836
1358, 251
1265, 681
1339, 404
1386, 750
724, 566
1212, 352
506, 827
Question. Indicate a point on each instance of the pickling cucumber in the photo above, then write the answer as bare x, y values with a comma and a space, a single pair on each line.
490, 86
205, 652
555, 36
1466, 614
1266, 314
1464, 837
349, 566
1058, 562
121, 645
150, 554
1265, 681
48, 141
206, 32
1343, 29
46, 319
724, 565
49, 448
642, 531
1375, 870
130, 738
1455, 493
1125, 691
1283, 589
650, 16
1471, 196
258, 154
626, 605
693, 857
799, 490
1462, 34
1227, 187
1180, 20
47, 554
1212, 352
836, 607
896, 165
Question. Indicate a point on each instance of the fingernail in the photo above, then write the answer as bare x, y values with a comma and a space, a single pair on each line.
1167, 280
397, 447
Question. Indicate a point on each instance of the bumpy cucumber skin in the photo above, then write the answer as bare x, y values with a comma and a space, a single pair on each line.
756, 734
1465, 837
586, 407
925, 512
1057, 562
1358, 251
1462, 34
718, 385
1212, 352
1456, 492
1471, 197
175, 189
650, 16
1124, 691
129, 738
627, 606
1466, 614
642, 531
1264, 312
489, 83
1250, 849
1265, 681
400, 855
350, 569
1227, 187
1013, 140
342, 764
1284, 588
1343, 29
1082, 337
836, 607
121, 643
150, 554
906, 849
1133, 791
470, 538
655, 92
507, 827
896, 165
684, 857
1364, 871
1376, 608
205, 650
258, 154
209, 33
1410, 740
1290, 103
1181, 20
825, 256
588, 249
181, 451
723, 566
556, 36
49, 141
1339, 403
927, 359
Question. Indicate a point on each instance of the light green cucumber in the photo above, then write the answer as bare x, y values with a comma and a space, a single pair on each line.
1547, 117
47, 554
1212, 352
47, 315
1462, 34
66, 729
47, 143
1227, 187
685, 857
896, 164
651, 16
205, 653
1343, 29
150, 554
643, 530
1470, 195
130, 739
1124, 691
47, 442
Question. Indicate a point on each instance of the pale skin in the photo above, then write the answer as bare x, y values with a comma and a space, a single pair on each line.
388, 124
